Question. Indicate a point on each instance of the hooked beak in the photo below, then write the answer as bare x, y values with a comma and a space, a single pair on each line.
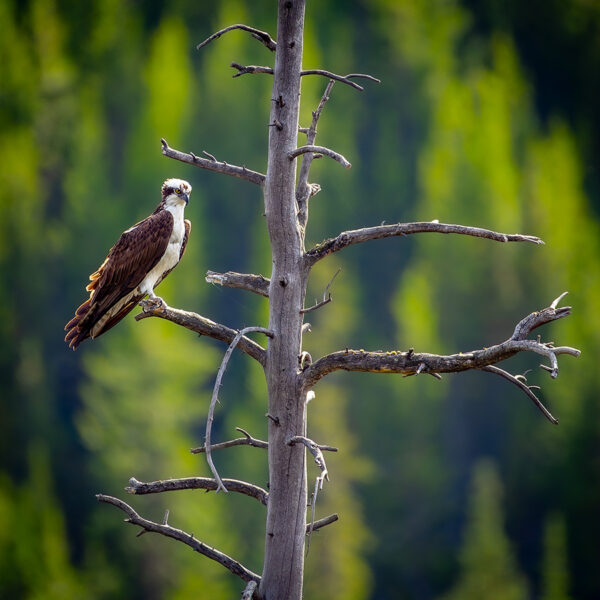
186, 197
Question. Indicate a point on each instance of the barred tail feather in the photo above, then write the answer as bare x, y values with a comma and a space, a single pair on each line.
75, 334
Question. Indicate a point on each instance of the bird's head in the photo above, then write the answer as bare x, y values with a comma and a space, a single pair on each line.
176, 191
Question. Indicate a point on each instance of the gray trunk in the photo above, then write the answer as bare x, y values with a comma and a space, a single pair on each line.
286, 516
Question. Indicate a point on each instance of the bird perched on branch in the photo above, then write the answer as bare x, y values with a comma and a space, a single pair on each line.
142, 257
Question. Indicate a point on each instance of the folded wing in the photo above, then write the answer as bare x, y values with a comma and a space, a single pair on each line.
113, 287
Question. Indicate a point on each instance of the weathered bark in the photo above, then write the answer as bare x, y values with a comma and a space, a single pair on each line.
286, 517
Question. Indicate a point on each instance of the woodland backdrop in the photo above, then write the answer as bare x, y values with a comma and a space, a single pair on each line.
487, 115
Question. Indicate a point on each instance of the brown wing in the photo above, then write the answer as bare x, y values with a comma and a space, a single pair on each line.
111, 288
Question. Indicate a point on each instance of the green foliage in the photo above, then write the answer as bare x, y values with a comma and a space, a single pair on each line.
34, 555
555, 577
488, 565
454, 133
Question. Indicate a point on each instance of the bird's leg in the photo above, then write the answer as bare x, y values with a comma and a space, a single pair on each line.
153, 303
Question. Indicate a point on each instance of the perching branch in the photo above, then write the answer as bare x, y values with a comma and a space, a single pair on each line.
252, 69
320, 150
196, 483
213, 401
303, 189
211, 164
177, 534
204, 326
244, 281
412, 363
356, 236
261, 36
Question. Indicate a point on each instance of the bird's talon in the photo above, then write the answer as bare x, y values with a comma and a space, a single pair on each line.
153, 305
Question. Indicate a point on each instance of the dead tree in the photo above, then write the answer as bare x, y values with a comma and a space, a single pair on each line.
290, 373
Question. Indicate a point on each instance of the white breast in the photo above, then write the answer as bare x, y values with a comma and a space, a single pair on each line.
171, 256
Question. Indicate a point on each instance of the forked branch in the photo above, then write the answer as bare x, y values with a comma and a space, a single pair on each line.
212, 164
243, 281
196, 483
413, 363
204, 326
177, 534
347, 79
357, 236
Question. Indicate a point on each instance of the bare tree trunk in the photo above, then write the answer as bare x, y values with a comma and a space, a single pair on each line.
288, 381
286, 517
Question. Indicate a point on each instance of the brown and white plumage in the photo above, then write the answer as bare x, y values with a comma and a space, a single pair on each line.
142, 257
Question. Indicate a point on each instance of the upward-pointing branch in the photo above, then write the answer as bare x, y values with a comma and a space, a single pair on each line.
303, 189
357, 236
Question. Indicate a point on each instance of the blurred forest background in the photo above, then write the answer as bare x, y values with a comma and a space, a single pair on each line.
487, 115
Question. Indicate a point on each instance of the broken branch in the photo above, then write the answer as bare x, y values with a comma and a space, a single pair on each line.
196, 483
177, 534
250, 69
244, 281
204, 326
357, 236
310, 527
211, 164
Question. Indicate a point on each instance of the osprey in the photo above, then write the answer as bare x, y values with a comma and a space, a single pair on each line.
142, 257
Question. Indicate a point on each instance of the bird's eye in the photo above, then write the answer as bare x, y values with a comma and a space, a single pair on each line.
178, 191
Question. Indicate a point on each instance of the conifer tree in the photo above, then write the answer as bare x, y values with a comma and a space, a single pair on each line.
488, 565
555, 571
